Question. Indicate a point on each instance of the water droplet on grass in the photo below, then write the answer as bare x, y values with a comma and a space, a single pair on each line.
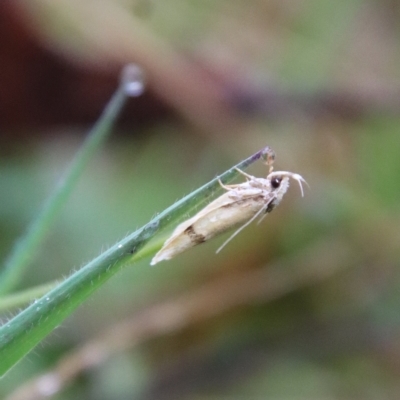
132, 79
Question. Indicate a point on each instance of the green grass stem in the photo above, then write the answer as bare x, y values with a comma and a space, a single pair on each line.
26, 246
23, 332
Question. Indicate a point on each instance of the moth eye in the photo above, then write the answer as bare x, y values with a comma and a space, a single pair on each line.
276, 182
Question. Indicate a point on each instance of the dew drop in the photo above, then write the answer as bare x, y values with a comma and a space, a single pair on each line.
132, 79
268, 155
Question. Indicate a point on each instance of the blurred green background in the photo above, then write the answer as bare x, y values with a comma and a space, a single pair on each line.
302, 306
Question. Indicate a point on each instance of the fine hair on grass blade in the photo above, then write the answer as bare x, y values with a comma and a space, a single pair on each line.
22, 333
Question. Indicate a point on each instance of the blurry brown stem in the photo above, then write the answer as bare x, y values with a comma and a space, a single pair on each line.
215, 298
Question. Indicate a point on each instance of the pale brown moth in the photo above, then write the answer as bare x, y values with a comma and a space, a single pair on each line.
241, 204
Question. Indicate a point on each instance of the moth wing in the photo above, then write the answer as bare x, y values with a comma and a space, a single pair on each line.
183, 237
222, 201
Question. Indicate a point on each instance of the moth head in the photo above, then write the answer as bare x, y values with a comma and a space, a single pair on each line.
279, 181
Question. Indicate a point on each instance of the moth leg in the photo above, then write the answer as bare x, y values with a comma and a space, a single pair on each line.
227, 187
250, 177
231, 187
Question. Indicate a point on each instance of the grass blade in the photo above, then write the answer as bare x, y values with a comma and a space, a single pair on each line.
24, 248
23, 332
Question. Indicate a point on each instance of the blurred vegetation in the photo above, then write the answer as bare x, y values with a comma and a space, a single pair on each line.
303, 305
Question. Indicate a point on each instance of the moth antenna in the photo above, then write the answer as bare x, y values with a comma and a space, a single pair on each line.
299, 180
241, 228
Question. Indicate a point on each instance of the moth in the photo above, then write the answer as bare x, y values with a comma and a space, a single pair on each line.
239, 206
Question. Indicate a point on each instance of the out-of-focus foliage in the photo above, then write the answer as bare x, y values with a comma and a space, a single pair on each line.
304, 305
